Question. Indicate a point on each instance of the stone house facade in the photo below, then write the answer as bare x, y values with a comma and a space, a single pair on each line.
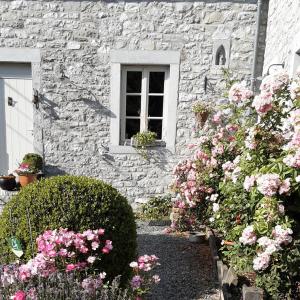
100, 71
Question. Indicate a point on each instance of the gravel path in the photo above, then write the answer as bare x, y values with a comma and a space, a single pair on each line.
186, 268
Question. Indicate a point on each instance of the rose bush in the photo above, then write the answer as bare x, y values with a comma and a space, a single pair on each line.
243, 180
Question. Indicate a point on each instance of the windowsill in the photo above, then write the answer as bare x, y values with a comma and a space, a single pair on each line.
118, 149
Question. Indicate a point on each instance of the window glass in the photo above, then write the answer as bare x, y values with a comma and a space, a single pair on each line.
134, 82
155, 126
156, 82
132, 127
133, 106
155, 108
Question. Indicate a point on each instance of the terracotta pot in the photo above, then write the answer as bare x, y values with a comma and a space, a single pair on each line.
26, 179
201, 117
229, 243
8, 183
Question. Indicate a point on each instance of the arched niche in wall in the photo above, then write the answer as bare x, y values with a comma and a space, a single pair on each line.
220, 58
221, 46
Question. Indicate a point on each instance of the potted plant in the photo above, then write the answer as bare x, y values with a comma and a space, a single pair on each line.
30, 168
142, 140
201, 111
8, 182
27, 174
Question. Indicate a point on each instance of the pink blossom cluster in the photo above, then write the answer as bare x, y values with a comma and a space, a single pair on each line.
270, 184
295, 89
248, 236
239, 92
140, 281
145, 263
64, 246
91, 284
281, 237
261, 262
249, 182
263, 103
275, 82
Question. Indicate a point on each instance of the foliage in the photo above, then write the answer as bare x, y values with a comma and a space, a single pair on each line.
34, 160
156, 208
142, 140
244, 178
201, 107
76, 203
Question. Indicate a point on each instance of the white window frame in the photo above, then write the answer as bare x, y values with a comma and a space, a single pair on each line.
144, 98
121, 58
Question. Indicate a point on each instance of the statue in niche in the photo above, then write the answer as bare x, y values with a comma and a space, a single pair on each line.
220, 56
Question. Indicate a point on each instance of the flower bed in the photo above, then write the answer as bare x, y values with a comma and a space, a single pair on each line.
62, 268
243, 180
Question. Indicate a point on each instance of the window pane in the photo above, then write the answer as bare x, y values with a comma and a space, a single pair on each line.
133, 106
155, 126
157, 80
134, 82
155, 108
132, 127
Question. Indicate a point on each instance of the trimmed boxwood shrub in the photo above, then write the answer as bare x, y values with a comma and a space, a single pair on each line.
76, 203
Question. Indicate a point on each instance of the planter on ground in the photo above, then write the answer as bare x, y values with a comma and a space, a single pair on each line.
8, 183
26, 179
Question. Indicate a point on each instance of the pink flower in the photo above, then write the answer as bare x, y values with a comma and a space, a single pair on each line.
156, 279
70, 267
261, 262
19, 295
249, 182
248, 236
263, 103
217, 118
285, 186
238, 92
268, 184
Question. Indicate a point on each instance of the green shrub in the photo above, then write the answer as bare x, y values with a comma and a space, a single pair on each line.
156, 208
34, 160
76, 203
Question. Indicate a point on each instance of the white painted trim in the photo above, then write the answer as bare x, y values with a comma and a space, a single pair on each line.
20, 55
139, 57
172, 103
115, 103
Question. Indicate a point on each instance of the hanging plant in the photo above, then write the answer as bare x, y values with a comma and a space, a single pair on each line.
142, 140
202, 111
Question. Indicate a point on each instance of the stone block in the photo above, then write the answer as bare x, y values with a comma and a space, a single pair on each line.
252, 293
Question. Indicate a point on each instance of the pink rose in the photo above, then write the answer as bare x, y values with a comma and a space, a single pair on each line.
19, 295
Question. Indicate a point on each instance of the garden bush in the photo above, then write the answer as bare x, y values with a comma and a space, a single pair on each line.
243, 179
76, 203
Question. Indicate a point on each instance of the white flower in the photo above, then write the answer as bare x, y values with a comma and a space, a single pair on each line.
214, 197
91, 259
216, 207
211, 219
133, 264
248, 236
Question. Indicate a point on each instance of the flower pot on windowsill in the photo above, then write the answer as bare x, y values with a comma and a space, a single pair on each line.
201, 117
25, 179
8, 183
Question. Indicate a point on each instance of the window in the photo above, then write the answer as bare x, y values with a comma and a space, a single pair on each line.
296, 62
143, 101
143, 96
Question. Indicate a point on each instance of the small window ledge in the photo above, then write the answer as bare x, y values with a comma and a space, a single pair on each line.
114, 149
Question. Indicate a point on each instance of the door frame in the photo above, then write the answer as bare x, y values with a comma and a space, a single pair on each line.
32, 56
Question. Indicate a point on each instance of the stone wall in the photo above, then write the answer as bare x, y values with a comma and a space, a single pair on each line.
283, 33
72, 124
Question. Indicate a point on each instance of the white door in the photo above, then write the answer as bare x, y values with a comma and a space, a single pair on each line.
16, 115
